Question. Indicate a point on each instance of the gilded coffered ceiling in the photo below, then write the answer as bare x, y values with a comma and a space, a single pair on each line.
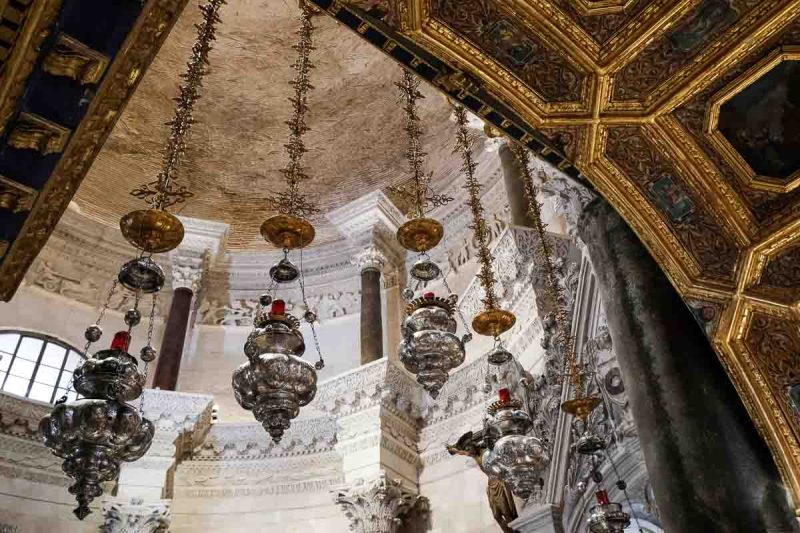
682, 113
235, 150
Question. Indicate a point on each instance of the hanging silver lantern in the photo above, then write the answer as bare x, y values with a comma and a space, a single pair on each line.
95, 434
514, 457
607, 516
275, 382
430, 347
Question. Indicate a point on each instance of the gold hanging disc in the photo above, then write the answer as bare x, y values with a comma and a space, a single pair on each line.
581, 407
420, 234
493, 322
152, 230
288, 231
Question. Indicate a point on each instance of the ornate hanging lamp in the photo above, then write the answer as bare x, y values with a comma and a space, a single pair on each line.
513, 456
96, 433
275, 381
430, 348
582, 404
607, 516
492, 321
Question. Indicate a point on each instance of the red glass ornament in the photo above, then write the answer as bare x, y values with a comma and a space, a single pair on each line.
429, 295
121, 341
602, 497
278, 307
505, 395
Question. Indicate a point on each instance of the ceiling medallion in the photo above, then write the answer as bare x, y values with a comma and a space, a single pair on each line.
98, 432
276, 382
430, 348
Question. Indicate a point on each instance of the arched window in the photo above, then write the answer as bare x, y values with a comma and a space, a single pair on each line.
36, 366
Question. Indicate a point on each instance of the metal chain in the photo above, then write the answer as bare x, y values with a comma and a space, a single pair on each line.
624, 490
461, 316
149, 345
321, 363
88, 344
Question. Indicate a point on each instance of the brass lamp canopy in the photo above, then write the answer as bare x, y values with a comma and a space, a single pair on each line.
152, 230
493, 322
581, 407
420, 234
288, 232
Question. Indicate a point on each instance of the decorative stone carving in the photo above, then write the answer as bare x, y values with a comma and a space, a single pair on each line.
187, 271
135, 517
376, 506
370, 258
240, 312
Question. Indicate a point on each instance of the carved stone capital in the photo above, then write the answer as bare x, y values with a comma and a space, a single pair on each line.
376, 506
135, 516
370, 258
187, 272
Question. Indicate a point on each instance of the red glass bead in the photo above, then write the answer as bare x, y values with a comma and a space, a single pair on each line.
278, 307
429, 295
602, 497
121, 341
505, 395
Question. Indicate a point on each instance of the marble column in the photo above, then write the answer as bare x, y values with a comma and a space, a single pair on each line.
515, 189
709, 468
371, 262
168, 364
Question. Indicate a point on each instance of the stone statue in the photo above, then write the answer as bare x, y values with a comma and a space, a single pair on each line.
501, 501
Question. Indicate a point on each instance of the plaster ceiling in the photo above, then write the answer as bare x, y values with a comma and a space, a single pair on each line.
236, 149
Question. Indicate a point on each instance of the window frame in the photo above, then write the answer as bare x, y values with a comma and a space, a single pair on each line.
46, 340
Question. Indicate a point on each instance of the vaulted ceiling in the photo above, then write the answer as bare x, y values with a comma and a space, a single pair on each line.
683, 114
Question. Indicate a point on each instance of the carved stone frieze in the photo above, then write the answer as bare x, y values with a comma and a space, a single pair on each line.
376, 506
135, 516
249, 441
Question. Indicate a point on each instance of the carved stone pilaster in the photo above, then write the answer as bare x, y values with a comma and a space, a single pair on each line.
135, 516
376, 506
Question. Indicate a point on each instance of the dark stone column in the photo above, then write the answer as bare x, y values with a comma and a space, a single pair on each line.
169, 360
515, 189
371, 316
710, 470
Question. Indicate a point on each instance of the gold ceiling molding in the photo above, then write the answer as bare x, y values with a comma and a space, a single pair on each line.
32, 132
743, 170
22, 51
141, 45
647, 133
73, 59
15, 197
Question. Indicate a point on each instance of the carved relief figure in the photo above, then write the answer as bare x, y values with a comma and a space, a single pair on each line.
501, 501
